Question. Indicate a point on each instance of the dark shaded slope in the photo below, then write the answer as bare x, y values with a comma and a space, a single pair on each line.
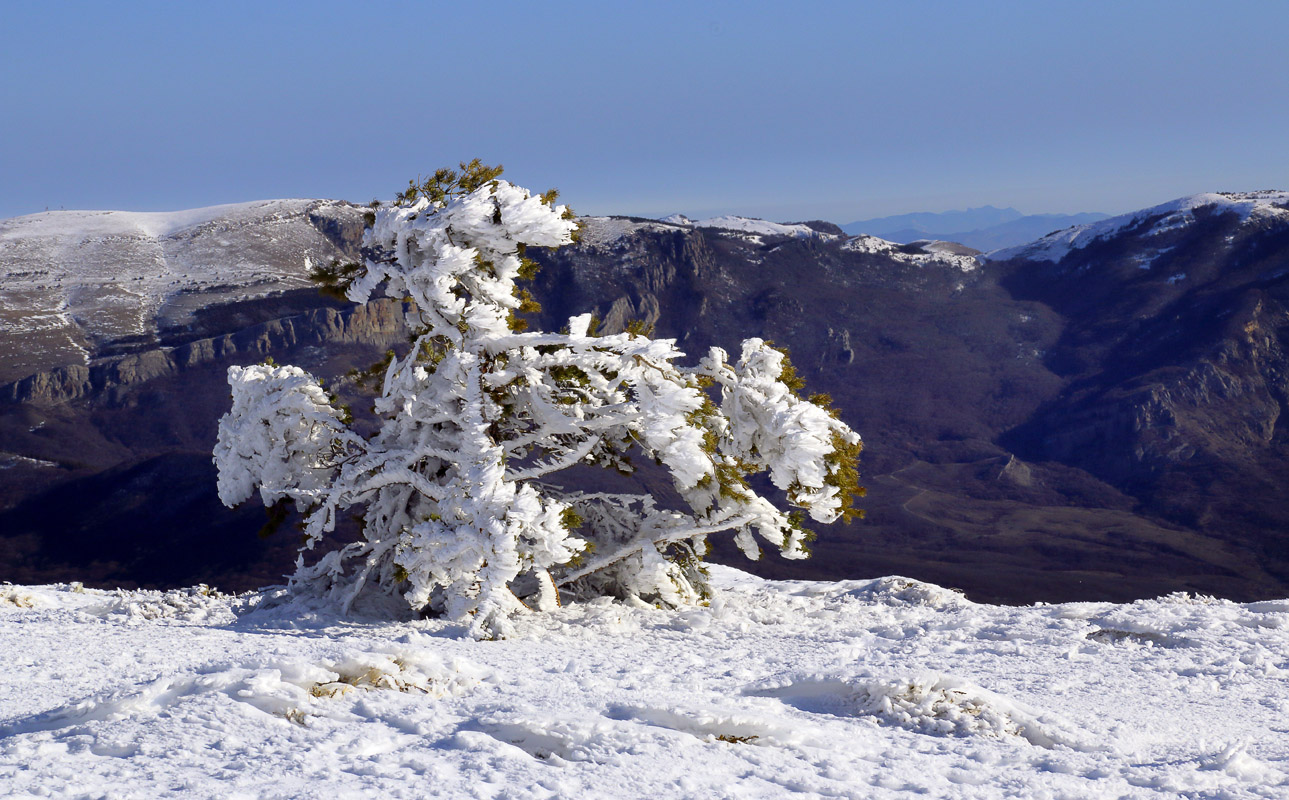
933, 366
1175, 347
154, 524
1086, 430
114, 483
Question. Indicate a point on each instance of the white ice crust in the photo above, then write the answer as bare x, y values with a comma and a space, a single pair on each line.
883, 689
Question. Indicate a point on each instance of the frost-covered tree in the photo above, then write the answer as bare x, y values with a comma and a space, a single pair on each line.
459, 512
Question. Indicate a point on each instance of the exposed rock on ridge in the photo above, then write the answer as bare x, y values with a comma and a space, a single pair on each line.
81, 285
379, 324
1086, 427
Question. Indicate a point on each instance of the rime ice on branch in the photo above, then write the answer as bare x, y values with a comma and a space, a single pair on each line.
456, 516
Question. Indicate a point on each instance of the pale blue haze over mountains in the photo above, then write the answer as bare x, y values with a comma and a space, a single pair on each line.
826, 110
985, 228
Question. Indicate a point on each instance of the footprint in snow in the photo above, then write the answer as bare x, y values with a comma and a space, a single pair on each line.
932, 704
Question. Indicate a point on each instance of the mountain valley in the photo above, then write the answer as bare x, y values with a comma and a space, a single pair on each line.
1091, 416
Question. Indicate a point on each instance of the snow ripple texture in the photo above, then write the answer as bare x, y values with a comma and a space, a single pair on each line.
867, 689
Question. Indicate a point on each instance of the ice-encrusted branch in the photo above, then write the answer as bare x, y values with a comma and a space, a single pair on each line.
658, 542
477, 411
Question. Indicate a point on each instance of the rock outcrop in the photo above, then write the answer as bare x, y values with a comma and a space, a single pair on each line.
378, 324
1100, 417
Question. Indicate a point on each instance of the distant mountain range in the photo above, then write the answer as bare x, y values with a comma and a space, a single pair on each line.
1096, 414
985, 228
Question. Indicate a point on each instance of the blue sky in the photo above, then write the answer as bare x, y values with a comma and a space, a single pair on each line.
833, 110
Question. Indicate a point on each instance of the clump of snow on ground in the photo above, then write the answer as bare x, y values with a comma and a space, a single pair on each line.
198, 604
869, 689
940, 704
1171, 216
15, 597
929, 703
294, 690
897, 591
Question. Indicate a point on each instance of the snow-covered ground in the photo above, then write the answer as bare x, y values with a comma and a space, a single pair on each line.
1168, 216
865, 689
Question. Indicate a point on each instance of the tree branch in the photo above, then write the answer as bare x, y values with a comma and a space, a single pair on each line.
673, 535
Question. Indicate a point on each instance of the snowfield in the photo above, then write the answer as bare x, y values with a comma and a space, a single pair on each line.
1170, 216
749, 225
933, 252
864, 689
602, 232
72, 281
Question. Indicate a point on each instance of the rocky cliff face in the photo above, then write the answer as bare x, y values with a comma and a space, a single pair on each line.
80, 285
1174, 347
116, 331
1036, 427
109, 381
951, 369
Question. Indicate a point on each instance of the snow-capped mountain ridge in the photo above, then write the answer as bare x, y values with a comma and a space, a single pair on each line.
606, 231
1173, 215
958, 227
920, 253
72, 282
153, 224
748, 225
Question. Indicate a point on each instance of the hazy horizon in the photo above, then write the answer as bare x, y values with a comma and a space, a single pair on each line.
697, 215
831, 110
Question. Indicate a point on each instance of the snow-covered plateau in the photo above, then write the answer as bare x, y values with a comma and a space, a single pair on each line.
607, 232
865, 689
919, 253
749, 225
1170, 216
71, 281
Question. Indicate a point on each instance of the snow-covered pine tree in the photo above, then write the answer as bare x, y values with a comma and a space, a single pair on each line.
458, 514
